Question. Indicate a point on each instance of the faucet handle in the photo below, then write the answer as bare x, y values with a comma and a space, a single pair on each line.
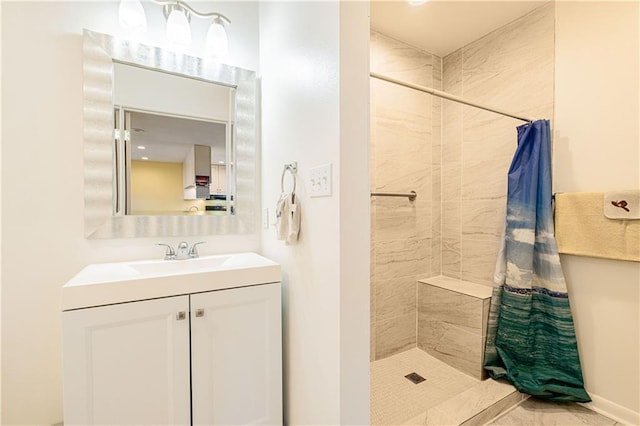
193, 251
170, 253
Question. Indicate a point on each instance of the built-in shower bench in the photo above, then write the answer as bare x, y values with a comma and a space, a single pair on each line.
452, 322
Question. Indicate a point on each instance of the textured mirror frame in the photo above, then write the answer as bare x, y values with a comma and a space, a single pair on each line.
99, 52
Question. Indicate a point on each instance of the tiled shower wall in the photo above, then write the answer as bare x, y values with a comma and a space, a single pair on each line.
458, 170
405, 156
512, 69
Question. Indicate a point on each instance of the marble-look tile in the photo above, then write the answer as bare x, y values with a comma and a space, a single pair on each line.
402, 99
402, 224
537, 412
402, 258
395, 297
479, 259
483, 218
516, 55
436, 137
416, 421
451, 257
451, 181
487, 152
395, 335
485, 400
402, 154
372, 256
452, 126
494, 410
436, 256
436, 140
478, 291
486, 305
452, 73
437, 72
436, 183
452, 344
451, 212
399, 60
436, 304
436, 218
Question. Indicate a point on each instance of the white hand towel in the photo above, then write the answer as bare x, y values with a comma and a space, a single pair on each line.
294, 220
622, 204
282, 216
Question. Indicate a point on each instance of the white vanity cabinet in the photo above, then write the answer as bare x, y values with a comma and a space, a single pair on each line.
236, 356
127, 364
202, 358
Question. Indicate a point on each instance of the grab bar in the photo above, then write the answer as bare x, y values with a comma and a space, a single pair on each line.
411, 195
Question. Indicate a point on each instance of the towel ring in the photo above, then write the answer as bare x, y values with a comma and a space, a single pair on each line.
293, 169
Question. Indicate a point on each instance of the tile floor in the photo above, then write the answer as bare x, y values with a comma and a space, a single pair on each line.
397, 401
537, 412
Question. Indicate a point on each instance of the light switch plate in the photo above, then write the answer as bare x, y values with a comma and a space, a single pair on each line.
320, 181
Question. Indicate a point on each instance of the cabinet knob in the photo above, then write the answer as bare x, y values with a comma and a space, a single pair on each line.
181, 315
199, 313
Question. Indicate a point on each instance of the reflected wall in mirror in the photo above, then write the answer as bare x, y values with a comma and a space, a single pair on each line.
193, 120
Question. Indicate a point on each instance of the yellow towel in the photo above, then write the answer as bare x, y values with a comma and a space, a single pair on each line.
582, 228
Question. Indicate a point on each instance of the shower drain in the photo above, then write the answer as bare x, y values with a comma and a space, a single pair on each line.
415, 378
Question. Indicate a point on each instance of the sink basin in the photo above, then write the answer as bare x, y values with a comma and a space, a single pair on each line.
109, 283
180, 266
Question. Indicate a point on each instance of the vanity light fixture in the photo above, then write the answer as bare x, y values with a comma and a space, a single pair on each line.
178, 29
178, 15
217, 43
131, 15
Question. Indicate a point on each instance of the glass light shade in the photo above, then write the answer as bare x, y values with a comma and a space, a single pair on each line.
131, 15
217, 43
178, 29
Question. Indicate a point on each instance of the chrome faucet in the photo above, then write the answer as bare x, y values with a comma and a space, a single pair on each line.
193, 251
170, 254
183, 251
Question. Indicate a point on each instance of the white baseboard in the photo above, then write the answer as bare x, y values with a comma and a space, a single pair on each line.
612, 410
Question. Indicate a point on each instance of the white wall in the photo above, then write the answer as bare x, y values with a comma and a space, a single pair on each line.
597, 149
42, 190
314, 65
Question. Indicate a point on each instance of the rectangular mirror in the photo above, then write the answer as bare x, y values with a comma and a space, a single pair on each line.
173, 143
170, 142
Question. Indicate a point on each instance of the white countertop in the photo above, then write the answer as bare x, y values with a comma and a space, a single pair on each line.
109, 283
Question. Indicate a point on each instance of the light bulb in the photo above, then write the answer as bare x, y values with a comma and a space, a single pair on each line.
416, 2
217, 43
131, 15
178, 29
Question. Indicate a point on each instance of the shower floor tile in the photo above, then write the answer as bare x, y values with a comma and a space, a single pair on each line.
537, 412
395, 400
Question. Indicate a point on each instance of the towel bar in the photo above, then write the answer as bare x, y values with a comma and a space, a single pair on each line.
411, 195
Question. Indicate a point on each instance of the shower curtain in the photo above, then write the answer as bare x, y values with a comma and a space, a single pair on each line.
531, 339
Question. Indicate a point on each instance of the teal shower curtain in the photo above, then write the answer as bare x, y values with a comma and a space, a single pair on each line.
531, 339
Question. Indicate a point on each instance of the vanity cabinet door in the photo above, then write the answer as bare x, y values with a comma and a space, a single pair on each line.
236, 355
127, 363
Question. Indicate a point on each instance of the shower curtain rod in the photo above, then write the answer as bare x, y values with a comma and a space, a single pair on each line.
446, 95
